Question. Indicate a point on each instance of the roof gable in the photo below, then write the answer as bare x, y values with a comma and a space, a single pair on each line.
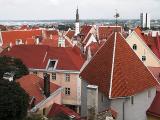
117, 70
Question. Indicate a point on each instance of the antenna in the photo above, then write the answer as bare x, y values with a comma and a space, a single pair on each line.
116, 17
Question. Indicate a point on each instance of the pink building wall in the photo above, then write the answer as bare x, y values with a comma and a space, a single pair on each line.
74, 97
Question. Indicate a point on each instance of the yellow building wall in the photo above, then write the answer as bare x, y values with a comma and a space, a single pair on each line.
143, 49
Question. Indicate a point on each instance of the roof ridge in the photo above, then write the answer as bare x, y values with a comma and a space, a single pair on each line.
115, 39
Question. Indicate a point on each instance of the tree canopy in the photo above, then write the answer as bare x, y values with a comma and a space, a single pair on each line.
14, 101
10, 64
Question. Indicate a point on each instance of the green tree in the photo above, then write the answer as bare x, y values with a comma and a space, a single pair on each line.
61, 116
34, 117
10, 64
14, 101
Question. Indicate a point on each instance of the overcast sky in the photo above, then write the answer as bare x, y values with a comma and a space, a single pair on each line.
65, 9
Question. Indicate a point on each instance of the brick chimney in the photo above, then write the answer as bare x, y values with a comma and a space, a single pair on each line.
47, 85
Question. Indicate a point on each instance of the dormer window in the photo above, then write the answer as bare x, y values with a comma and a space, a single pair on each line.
52, 64
134, 47
18, 42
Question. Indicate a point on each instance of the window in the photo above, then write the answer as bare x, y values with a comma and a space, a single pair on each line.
134, 47
132, 100
52, 65
67, 77
149, 93
44, 111
102, 98
53, 76
143, 58
67, 91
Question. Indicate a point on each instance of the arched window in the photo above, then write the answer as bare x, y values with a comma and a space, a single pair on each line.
134, 47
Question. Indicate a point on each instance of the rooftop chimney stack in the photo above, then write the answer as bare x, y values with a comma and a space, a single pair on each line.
92, 102
47, 85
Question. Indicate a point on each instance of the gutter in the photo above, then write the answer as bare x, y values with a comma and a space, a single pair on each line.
61, 71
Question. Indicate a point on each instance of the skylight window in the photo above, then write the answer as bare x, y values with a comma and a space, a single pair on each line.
52, 64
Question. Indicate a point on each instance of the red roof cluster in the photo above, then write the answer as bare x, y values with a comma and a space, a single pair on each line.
94, 47
70, 34
154, 109
34, 85
37, 56
85, 31
61, 109
152, 42
117, 70
10, 37
105, 31
29, 36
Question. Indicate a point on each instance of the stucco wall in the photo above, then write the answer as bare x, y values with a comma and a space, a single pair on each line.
136, 111
74, 84
101, 105
143, 49
57, 99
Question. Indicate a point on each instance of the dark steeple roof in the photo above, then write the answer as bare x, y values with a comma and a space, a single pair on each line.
77, 15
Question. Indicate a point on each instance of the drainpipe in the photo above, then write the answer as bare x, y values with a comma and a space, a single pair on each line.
123, 107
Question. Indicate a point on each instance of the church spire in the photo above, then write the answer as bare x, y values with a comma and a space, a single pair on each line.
77, 26
77, 15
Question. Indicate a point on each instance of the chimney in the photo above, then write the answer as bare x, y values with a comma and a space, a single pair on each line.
92, 102
47, 85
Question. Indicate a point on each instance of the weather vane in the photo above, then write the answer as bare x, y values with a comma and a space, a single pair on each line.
116, 16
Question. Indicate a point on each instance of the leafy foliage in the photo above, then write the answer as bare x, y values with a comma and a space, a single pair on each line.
34, 117
60, 116
9, 64
13, 101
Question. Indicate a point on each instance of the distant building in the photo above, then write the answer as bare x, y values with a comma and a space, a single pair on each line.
145, 20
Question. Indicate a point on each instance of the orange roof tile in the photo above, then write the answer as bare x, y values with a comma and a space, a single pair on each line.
154, 109
37, 56
61, 109
105, 31
33, 85
117, 70
11, 36
70, 34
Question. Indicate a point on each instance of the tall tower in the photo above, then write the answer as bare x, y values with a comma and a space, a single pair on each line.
77, 26
145, 20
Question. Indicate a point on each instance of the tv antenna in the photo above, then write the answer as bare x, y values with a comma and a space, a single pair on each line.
116, 16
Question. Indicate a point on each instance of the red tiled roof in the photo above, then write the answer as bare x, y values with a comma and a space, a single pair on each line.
33, 84
154, 109
58, 109
68, 44
37, 56
118, 73
94, 47
87, 39
105, 31
49, 33
84, 31
70, 34
11, 36
50, 42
